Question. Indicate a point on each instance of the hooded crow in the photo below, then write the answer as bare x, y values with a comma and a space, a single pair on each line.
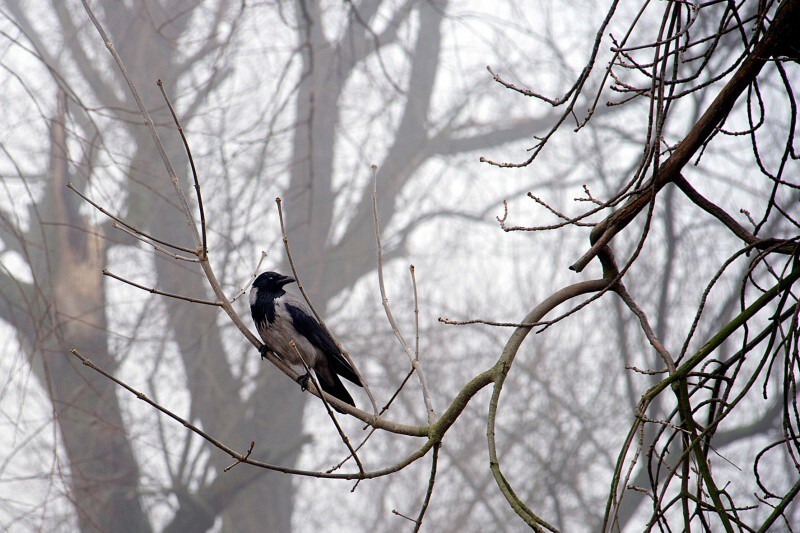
281, 317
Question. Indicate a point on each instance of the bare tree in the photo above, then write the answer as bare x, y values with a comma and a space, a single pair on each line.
66, 303
677, 73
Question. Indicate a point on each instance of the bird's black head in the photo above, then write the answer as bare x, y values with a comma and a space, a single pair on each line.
271, 281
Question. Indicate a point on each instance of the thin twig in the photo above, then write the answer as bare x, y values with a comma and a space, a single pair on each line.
322, 397
401, 515
129, 226
161, 293
429, 493
385, 301
450, 322
158, 247
246, 456
341, 463
655, 342
252, 278
383, 410
204, 250
559, 214
416, 312
645, 371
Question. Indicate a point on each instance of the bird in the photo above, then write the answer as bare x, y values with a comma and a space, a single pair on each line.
281, 317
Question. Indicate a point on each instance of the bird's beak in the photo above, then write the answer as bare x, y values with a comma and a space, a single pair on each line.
284, 280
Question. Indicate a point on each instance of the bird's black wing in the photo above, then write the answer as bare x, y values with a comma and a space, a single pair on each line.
308, 327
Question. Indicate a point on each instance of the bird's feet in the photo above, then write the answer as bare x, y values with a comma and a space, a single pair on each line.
263, 351
303, 381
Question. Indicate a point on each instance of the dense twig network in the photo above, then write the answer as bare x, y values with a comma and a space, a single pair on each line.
707, 385
701, 387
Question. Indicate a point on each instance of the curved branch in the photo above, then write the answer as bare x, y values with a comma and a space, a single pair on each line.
503, 366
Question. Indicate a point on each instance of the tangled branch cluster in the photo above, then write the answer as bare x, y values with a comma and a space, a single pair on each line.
696, 46
704, 387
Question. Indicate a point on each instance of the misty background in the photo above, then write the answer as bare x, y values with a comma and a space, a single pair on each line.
296, 100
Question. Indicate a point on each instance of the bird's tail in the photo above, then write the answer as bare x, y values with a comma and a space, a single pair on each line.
331, 384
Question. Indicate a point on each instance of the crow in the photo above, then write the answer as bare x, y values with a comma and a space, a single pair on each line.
281, 317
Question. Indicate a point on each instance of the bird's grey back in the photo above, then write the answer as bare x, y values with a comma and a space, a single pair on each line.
278, 332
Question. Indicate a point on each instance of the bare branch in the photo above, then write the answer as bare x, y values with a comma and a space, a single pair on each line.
339, 429
385, 301
161, 293
242, 458
204, 249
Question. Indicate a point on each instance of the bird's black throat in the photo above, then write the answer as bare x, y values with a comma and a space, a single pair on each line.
263, 310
